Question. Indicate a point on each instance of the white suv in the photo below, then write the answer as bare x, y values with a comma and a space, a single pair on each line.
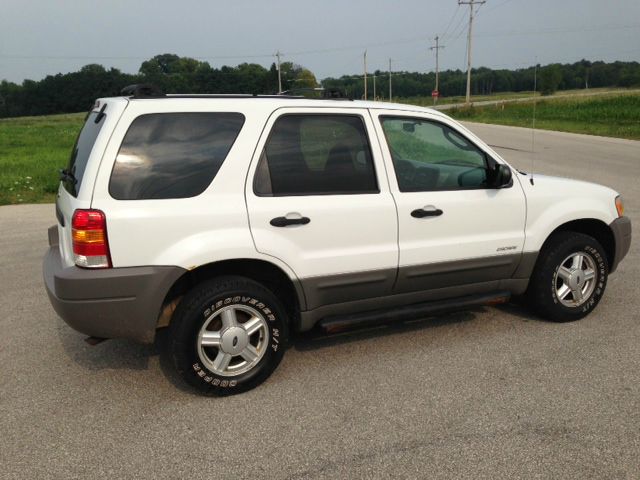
234, 220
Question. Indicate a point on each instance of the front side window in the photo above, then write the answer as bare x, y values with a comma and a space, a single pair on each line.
431, 156
319, 154
172, 155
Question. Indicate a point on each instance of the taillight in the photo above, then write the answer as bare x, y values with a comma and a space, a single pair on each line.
619, 206
89, 234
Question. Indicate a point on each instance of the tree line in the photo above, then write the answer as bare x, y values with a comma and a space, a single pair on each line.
76, 91
485, 81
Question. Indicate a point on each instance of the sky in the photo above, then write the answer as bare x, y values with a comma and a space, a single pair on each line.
45, 37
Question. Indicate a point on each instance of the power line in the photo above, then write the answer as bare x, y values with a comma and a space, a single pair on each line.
457, 27
444, 34
545, 31
554, 30
495, 7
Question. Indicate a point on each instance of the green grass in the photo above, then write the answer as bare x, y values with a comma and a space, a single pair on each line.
428, 101
610, 116
32, 150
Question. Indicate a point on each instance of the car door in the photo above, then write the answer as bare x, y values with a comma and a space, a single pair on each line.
453, 228
318, 200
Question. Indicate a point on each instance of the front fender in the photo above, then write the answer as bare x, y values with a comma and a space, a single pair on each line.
552, 202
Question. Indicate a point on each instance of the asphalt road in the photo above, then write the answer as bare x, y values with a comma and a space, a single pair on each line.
492, 393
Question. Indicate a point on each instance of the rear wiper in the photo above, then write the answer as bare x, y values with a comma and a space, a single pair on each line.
67, 176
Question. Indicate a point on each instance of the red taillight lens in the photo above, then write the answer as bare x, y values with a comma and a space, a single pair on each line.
89, 234
619, 206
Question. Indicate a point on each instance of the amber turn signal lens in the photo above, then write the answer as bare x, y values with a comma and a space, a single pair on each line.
619, 206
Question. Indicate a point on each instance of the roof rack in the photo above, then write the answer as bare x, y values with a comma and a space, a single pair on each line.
228, 95
146, 90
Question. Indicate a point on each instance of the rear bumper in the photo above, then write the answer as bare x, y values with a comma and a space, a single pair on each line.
107, 303
621, 228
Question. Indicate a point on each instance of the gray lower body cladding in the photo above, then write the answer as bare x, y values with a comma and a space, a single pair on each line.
107, 303
621, 228
373, 290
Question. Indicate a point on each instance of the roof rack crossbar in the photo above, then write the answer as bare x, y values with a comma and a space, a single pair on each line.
142, 90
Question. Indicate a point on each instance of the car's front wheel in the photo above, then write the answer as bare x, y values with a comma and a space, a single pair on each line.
569, 278
227, 335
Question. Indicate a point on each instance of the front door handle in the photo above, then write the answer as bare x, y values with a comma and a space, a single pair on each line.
284, 221
429, 212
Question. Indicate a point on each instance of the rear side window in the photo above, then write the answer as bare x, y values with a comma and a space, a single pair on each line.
316, 154
172, 155
81, 150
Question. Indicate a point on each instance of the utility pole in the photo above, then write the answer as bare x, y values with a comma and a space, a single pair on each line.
471, 4
390, 96
279, 74
365, 74
437, 48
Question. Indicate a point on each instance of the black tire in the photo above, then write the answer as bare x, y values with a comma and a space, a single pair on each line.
198, 307
542, 293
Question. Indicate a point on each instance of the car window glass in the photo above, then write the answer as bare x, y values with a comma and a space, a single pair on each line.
81, 151
172, 155
432, 156
316, 155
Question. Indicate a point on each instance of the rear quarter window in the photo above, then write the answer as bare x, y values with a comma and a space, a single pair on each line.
172, 155
81, 151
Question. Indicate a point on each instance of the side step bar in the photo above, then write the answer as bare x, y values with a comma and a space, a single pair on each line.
340, 323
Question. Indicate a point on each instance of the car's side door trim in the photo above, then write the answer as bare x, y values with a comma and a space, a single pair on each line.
413, 278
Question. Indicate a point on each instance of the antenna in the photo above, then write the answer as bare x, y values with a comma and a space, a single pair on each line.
533, 122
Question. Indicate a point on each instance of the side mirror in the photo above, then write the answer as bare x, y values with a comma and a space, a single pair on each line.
502, 176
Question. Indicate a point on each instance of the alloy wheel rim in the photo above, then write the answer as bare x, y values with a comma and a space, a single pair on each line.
232, 340
575, 279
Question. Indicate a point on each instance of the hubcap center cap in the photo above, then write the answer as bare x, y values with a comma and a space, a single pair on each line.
234, 340
576, 280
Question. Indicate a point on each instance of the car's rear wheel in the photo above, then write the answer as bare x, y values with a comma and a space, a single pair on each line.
227, 335
569, 278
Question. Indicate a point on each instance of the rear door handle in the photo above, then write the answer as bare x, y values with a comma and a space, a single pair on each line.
284, 221
426, 212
